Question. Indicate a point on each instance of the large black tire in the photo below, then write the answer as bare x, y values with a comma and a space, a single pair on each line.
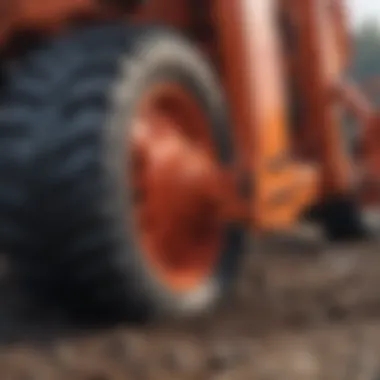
16, 141
83, 88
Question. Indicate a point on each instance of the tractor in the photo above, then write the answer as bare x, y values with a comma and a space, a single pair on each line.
143, 144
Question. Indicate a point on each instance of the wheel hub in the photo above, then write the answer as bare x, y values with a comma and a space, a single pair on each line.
178, 184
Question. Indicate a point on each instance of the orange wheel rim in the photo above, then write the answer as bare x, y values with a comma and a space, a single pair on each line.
177, 187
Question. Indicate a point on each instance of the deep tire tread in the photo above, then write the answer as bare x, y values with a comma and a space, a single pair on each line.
65, 87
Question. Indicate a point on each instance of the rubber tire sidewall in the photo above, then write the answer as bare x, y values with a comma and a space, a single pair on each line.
163, 56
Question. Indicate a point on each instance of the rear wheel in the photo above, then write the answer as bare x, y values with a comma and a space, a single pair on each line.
133, 136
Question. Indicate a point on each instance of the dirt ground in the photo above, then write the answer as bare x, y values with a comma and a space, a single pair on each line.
303, 309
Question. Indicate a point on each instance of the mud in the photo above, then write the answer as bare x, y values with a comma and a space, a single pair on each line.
303, 309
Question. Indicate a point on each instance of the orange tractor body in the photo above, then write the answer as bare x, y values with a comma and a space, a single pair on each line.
245, 40
270, 57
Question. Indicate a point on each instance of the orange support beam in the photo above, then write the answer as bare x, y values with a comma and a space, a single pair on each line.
252, 59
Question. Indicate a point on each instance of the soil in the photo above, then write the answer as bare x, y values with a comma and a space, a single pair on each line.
303, 309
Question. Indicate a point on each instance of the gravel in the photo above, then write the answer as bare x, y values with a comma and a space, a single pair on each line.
303, 309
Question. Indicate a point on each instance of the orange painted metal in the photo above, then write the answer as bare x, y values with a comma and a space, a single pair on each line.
41, 15
254, 79
340, 25
366, 161
179, 185
53, 16
319, 65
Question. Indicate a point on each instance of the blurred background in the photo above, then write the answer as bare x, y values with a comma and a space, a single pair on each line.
362, 10
365, 20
